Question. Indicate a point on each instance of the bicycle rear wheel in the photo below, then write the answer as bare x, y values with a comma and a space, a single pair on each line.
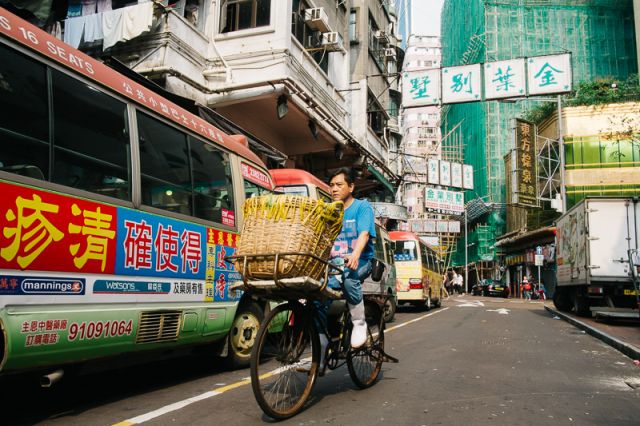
284, 361
365, 363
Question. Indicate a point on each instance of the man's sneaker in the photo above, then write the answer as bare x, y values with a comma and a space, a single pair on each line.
359, 333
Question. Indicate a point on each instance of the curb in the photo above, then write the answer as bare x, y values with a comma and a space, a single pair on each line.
626, 348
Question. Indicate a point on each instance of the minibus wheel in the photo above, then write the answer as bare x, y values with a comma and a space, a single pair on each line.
242, 335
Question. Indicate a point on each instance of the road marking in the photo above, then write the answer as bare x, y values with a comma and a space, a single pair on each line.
414, 320
501, 311
469, 304
219, 391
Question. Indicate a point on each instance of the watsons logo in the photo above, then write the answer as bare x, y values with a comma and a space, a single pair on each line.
52, 286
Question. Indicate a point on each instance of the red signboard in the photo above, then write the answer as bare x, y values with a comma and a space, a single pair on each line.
49, 232
256, 176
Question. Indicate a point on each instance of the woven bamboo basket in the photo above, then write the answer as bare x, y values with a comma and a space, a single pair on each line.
287, 224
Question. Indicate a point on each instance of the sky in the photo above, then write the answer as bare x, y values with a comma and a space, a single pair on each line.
426, 16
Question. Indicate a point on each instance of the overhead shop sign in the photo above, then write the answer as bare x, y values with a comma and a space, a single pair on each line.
446, 173
523, 161
443, 201
538, 75
432, 226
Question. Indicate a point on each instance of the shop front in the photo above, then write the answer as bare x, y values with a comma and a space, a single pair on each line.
520, 260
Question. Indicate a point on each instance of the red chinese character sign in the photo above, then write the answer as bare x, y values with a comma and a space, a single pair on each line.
49, 232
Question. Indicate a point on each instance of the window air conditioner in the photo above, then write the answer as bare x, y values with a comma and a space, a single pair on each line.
381, 36
316, 19
332, 41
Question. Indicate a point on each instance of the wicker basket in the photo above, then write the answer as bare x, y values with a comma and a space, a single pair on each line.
287, 224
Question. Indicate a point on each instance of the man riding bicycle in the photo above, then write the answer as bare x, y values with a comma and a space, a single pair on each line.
354, 249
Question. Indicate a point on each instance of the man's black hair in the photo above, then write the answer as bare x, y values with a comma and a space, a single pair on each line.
347, 172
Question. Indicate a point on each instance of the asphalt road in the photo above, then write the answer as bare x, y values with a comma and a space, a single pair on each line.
474, 361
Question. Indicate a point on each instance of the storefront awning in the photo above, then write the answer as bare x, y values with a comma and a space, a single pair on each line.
540, 235
381, 178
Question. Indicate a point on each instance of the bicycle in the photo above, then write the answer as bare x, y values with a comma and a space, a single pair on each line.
286, 355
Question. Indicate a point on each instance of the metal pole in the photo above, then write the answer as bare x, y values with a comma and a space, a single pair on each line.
563, 191
466, 247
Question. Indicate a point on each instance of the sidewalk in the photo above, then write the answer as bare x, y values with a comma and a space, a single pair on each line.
623, 336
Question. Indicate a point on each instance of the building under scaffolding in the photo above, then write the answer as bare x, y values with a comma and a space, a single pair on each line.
600, 36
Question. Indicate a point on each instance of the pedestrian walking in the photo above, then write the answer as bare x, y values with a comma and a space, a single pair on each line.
445, 284
526, 288
460, 284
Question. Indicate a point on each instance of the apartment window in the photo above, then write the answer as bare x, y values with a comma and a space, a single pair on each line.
238, 15
395, 99
376, 116
353, 26
376, 48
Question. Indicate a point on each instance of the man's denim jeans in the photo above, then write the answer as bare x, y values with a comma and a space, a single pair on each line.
351, 287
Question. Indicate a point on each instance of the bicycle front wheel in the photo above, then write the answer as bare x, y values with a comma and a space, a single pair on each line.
365, 363
284, 361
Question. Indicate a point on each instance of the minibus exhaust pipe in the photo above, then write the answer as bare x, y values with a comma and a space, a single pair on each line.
50, 379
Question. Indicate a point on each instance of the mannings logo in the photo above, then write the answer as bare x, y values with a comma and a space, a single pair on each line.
52, 286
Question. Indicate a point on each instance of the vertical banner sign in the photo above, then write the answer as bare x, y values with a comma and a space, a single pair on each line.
456, 175
461, 84
526, 163
430, 226
421, 88
454, 226
445, 173
504, 79
467, 176
433, 176
442, 226
549, 74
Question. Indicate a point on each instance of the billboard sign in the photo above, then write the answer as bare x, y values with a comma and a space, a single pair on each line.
421, 88
549, 74
504, 79
433, 177
467, 176
456, 175
461, 84
444, 201
445, 173
526, 170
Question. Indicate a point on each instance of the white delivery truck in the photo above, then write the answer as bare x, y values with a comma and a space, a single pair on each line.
594, 242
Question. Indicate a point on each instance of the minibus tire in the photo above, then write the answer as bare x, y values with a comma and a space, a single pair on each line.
248, 318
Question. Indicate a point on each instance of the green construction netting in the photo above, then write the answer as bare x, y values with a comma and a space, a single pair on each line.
599, 33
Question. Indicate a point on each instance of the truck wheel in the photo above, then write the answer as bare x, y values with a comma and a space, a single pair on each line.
390, 307
243, 334
580, 304
561, 300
